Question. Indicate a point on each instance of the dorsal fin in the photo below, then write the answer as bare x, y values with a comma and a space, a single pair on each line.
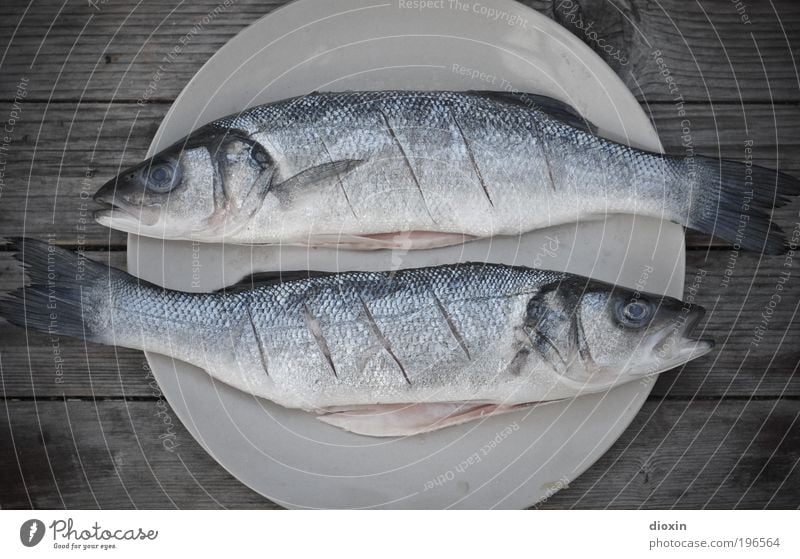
552, 107
264, 279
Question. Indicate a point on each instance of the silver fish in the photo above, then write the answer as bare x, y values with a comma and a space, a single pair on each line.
358, 169
380, 354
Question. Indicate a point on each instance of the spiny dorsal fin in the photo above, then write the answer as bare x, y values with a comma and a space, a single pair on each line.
263, 279
552, 107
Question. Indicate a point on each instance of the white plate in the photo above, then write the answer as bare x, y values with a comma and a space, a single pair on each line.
511, 461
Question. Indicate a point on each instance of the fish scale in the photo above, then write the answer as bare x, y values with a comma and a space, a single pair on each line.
442, 345
428, 149
417, 142
416, 169
402, 311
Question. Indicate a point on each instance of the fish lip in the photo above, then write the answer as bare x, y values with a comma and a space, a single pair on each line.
110, 206
696, 315
116, 211
106, 196
684, 345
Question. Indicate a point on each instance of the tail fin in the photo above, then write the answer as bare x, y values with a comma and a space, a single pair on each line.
65, 294
734, 200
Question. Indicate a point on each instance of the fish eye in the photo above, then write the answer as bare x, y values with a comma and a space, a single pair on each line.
162, 176
635, 313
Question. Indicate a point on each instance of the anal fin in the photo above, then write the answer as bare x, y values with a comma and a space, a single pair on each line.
408, 240
399, 420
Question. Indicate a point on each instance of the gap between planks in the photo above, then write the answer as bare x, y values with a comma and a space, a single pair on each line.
122, 101
651, 398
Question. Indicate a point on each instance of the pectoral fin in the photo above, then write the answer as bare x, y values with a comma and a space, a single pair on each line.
335, 169
399, 420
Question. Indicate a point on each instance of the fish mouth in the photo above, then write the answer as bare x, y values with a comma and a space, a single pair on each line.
121, 216
678, 346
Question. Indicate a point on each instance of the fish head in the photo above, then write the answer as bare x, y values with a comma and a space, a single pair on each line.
600, 335
201, 188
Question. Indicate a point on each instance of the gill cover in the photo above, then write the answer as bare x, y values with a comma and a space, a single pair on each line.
593, 333
242, 167
213, 178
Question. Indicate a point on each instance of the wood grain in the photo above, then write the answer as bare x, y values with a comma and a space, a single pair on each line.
719, 454
75, 52
712, 51
108, 454
112, 454
721, 432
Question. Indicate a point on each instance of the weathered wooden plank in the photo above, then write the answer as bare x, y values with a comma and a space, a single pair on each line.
112, 454
112, 51
710, 49
726, 130
742, 293
658, 463
35, 364
702, 454
59, 156
108, 454
62, 153
736, 132
745, 363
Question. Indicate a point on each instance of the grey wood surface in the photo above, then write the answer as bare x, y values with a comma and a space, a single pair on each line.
720, 432
719, 453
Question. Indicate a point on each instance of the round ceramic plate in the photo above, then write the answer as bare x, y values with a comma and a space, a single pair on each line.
510, 461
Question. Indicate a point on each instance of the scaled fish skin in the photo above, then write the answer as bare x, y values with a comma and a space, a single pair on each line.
380, 354
357, 169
